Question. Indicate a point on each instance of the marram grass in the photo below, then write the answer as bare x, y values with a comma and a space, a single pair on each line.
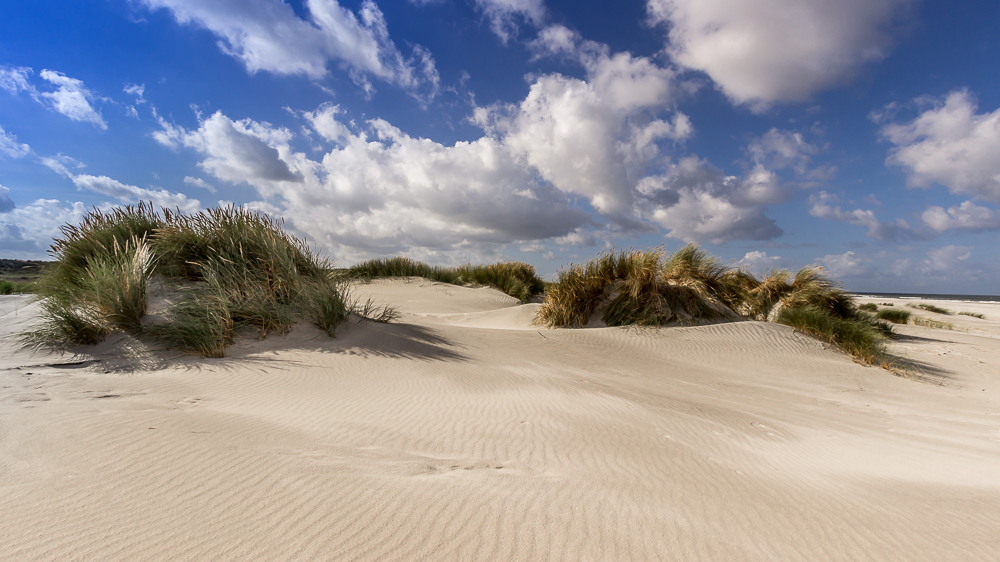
650, 288
516, 279
229, 268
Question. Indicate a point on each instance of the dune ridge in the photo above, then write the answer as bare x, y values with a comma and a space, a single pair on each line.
462, 432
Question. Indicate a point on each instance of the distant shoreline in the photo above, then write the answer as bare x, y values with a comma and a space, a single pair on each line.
929, 296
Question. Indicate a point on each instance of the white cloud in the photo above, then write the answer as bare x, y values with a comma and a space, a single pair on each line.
844, 265
198, 182
27, 232
948, 258
696, 201
778, 149
129, 193
967, 216
388, 192
123, 192
267, 35
6, 203
10, 146
765, 51
505, 16
592, 137
14, 79
823, 206
952, 145
759, 261
72, 99
604, 139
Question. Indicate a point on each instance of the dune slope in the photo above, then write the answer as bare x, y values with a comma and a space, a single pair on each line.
464, 433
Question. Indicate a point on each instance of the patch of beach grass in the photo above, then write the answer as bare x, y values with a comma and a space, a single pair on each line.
231, 270
649, 288
516, 279
894, 315
972, 314
930, 308
868, 307
930, 323
860, 338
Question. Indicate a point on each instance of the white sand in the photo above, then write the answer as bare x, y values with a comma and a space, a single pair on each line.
463, 433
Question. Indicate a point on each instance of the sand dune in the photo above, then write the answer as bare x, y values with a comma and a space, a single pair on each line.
465, 433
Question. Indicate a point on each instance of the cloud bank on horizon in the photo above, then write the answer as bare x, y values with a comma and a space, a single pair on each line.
778, 133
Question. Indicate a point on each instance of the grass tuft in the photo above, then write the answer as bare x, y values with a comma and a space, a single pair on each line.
895, 316
972, 314
232, 268
868, 307
930, 308
648, 288
516, 279
857, 337
15, 287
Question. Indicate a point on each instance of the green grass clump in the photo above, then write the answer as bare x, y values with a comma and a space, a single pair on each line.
895, 316
639, 287
648, 288
868, 307
15, 287
930, 308
972, 314
229, 268
516, 279
857, 337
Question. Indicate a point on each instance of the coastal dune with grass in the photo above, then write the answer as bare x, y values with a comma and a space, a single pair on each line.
643, 406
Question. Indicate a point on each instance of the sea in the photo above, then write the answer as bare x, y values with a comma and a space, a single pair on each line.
930, 296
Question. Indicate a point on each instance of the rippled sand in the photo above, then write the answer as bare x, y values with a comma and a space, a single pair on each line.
464, 433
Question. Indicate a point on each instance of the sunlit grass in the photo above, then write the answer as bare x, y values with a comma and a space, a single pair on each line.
231, 269
516, 279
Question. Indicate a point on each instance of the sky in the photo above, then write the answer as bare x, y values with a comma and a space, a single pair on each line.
859, 135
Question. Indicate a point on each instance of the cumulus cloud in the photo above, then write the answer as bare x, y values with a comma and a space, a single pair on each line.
122, 192
765, 51
27, 232
846, 265
696, 201
967, 216
950, 144
759, 261
592, 137
382, 191
778, 149
267, 35
72, 99
824, 207
571, 149
10, 146
505, 16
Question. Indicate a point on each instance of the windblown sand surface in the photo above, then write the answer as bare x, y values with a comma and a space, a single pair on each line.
464, 433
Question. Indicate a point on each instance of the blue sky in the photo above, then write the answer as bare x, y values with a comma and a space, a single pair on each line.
861, 135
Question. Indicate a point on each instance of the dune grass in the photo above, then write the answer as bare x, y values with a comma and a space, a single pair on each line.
228, 270
930, 308
895, 316
972, 314
16, 287
516, 279
650, 288
858, 337
868, 307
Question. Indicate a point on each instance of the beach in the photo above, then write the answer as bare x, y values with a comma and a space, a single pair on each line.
464, 432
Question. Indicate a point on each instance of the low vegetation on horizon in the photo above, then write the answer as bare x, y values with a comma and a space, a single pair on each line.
650, 288
221, 271
514, 278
